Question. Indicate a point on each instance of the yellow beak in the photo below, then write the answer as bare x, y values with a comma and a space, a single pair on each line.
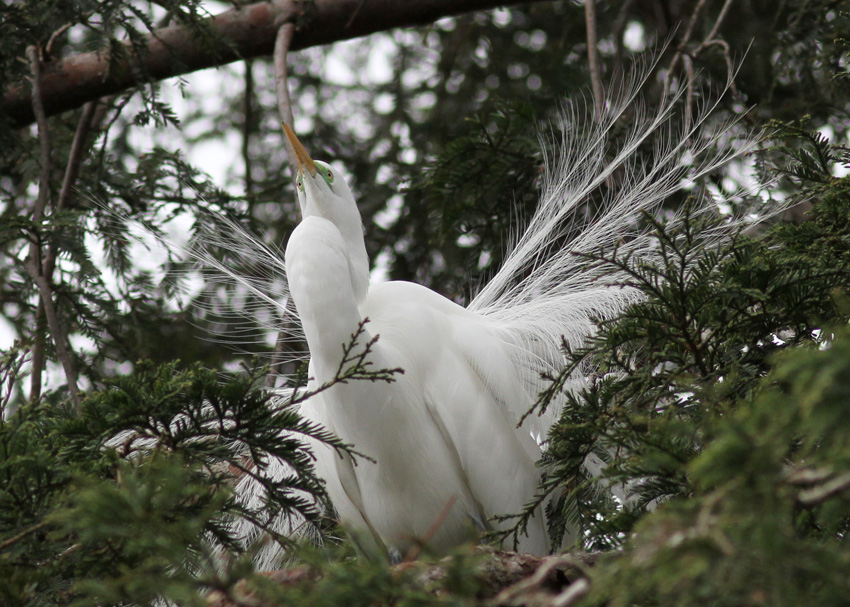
301, 156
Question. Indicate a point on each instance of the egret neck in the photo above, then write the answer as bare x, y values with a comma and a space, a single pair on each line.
320, 194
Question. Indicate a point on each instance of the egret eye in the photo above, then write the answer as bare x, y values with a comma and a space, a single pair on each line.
330, 176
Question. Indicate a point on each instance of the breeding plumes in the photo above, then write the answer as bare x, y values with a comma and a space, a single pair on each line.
446, 452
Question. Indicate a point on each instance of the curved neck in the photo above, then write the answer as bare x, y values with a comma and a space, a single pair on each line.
349, 225
322, 277
358, 261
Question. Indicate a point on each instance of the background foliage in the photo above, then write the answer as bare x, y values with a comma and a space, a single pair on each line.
721, 400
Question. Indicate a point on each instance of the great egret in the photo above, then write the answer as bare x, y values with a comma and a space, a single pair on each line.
441, 435
444, 434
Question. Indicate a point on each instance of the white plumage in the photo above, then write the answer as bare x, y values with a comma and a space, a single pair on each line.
446, 429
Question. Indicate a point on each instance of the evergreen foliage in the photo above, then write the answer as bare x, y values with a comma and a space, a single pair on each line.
720, 409
129, 499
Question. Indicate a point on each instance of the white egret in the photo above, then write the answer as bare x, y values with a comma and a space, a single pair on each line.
445, 431
441, 435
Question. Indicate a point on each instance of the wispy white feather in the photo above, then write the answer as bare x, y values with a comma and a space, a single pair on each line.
545, 294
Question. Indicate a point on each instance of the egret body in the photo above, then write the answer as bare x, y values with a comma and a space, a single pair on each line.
446, 450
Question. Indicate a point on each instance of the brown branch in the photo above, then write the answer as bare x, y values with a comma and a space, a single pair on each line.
75, 156
38, 356
247, 127
593, 58
690, 93
820, 493
619, 29
717, 23
283, 40
680, 49
72, 172
709, 40
59, 338
17, 538
238, 34
284, 104
33, 262
43, 135
34, 255
414, 551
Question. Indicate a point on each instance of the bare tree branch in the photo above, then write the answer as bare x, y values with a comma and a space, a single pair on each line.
72, 172
34, 255
33, 263
240, 33
283, 41
247, 127
43, 136
688, 57
820, 493
284, 104
593, 58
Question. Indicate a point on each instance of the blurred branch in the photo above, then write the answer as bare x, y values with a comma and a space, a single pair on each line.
240, 33
43, 136
284, 105
688, 57
23, 534
33, 263
72, 172
247, 127
283, 40
34, 255
820, 493
619, 29
593, 58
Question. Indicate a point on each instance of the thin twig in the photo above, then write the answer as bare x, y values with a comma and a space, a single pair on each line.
727, 55
33, 262
619, 29
572, 593
284, 107
48, 48
689, 95
72, 172
541, 575
354, 14
75, 158
709, 40
17, 538
680, 49
43, 136
432, 530
59, 339
284, 104
820, 493
723, 10
247, 127
593, 58
38, 356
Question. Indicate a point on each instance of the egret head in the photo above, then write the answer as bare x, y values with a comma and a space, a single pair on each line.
319, 189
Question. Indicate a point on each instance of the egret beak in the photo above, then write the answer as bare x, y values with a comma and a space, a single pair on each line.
301, 156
